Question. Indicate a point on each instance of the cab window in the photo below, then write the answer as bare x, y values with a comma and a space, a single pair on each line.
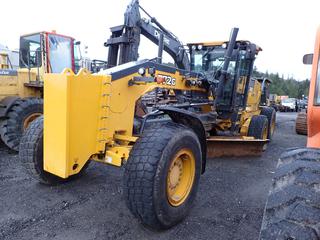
30, 51
317, 93
60, 53
77, 57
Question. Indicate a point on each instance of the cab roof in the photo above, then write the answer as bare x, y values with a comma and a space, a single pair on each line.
46, 32
219, 43
261, 79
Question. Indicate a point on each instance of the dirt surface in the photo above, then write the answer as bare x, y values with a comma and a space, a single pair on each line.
229, 204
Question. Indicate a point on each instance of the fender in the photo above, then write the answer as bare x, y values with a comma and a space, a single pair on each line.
192, 121
6, 104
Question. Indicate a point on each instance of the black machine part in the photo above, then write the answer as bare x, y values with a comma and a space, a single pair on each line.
6, 104
125, 39
224, 70
229, 101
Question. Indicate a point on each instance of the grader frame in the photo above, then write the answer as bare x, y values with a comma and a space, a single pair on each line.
164, 150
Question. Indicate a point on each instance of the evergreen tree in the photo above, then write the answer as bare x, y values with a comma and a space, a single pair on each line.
281, 86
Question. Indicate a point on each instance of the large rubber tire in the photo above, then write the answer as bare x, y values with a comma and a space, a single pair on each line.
293, 206
258, 127
270, 113
302, 124
31, 155
146, 172
14, 125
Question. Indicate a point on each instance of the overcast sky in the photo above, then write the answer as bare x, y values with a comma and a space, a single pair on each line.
284, 29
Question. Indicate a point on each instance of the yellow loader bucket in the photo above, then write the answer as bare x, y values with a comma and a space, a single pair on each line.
223, 146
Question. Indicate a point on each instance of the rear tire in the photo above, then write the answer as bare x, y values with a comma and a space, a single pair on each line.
302, 124
258, 127
31, 155
148, 186
293, 206
23, 112
270, 113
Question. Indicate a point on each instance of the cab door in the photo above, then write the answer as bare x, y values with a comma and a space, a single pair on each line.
314, 99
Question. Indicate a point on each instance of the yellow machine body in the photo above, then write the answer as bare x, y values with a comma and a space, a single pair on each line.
90, 115
222, 146
14, 85
252, 108
13, 82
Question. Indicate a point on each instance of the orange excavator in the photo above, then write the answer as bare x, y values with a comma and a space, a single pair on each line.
293, 206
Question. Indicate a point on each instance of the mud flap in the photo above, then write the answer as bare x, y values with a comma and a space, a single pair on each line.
219, 146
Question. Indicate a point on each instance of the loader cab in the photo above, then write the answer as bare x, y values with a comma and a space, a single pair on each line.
47, 52
208, 59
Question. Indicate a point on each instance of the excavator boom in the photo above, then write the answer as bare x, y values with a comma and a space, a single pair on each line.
125, 39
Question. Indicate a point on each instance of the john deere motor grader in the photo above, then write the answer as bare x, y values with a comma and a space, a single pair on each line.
103, 117
21, 90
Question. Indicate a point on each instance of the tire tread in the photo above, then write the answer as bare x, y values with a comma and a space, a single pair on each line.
11, 128
293, 206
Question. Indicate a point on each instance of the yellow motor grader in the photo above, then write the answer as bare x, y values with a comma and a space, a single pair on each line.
164, 143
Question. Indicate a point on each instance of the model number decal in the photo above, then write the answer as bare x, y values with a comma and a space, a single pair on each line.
168, 80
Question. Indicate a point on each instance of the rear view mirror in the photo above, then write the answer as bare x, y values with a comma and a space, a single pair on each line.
77, 43
308, 58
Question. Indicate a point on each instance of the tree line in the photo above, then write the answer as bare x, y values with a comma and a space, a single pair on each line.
285, 86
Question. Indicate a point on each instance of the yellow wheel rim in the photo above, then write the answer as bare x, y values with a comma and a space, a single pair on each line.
180, 177
29, 119
265, 133
273, 126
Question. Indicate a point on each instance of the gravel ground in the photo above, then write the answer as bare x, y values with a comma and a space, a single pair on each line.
229, 204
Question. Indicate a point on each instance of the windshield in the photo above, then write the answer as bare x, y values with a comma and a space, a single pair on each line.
60, 53
77, 57
30, 51
210, 60
289, 100
317, 93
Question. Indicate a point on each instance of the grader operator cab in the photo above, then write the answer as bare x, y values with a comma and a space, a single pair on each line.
239, 98
163, 146
21, 90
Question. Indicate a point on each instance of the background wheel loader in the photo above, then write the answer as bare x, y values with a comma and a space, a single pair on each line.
293, 206
163, 146
21, 90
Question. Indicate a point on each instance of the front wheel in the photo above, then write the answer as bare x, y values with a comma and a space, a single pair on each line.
258, 127
162, 175
31, 155
270, 113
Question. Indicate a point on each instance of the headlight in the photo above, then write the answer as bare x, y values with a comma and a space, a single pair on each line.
193, 47
224, 45
199, 47
142, 71
152, 71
